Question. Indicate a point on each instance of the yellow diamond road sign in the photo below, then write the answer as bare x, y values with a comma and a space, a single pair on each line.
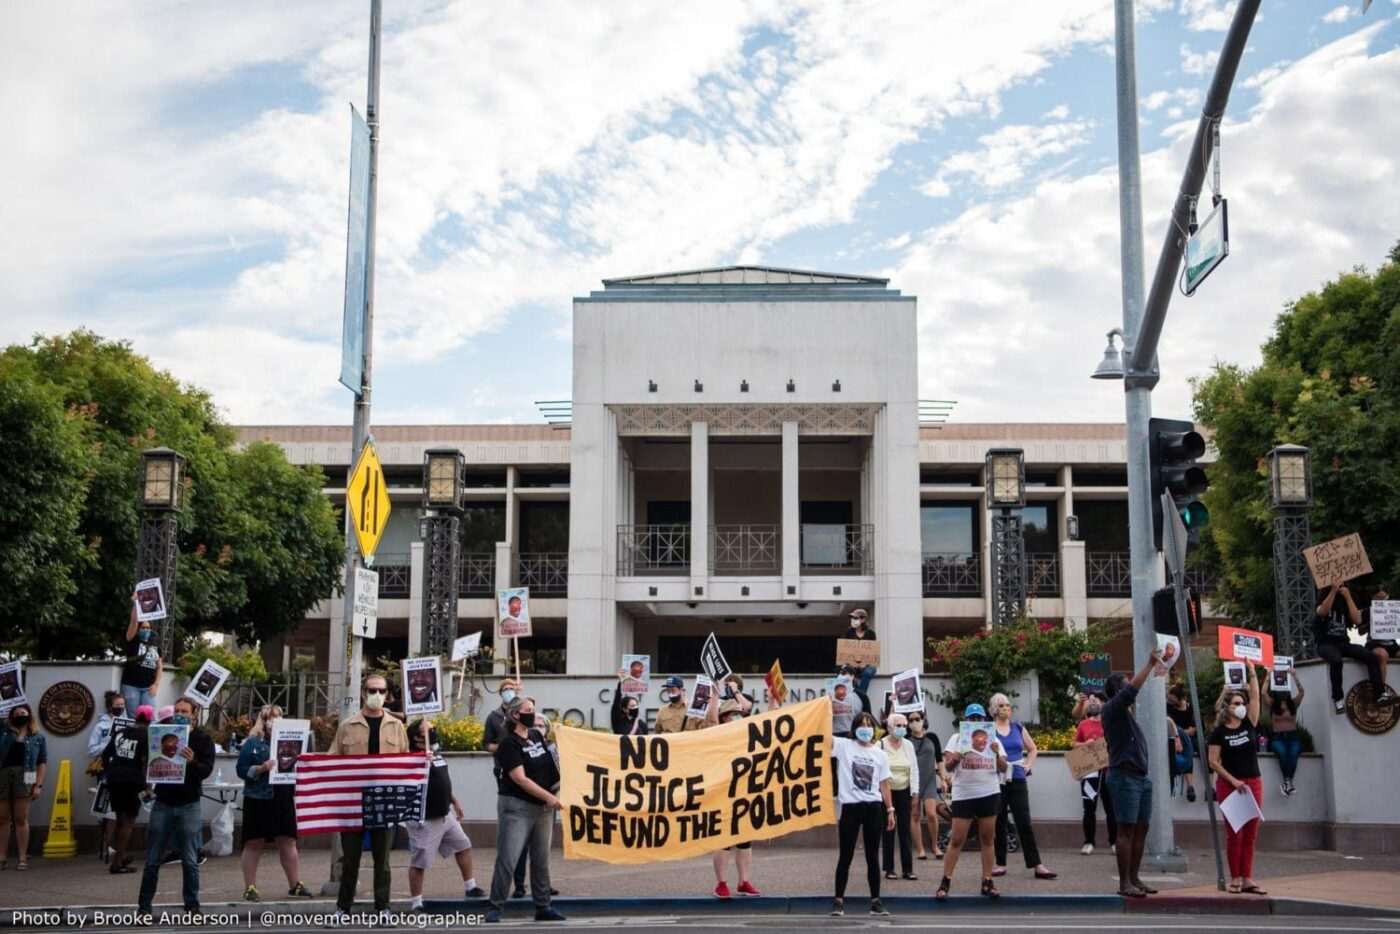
368, 500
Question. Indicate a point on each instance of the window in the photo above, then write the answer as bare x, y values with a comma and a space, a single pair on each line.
485, 478
668, 512
1040, 524
1100, 476
1103, 524
555, 478
544, 527
824, 532
1042, 477
483, 525
951, 476
948, 528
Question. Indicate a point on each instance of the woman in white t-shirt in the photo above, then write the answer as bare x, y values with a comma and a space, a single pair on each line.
976, 761
863, 779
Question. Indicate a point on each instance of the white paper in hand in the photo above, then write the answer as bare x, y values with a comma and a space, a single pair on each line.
1239, 808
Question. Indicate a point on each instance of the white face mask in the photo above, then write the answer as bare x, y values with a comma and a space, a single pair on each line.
374, 701
1239, 710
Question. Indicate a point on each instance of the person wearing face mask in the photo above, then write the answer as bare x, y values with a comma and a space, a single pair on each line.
671, 718
1233, 754
627, 719
438, 833
175, 816
1383, 649
496, 729
370, 732
1184, 717
1128, 778
269, 811
144, 666
904, 778
525, 806
928, 793
867, 808
1021, 753
124, 765
731, 711
976, 762
114, 707
24, 758
1092, 787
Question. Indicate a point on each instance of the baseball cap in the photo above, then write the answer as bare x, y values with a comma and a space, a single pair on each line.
728, 707
974, 710
145, 712
858, 613
673, 682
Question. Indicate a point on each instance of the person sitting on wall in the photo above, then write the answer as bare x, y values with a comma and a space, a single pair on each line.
860, 630
1383, 649
1336, 613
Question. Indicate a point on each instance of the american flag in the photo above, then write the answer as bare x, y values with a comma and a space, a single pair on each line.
349, 793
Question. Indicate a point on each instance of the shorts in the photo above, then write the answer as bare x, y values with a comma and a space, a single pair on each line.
12, 785
1132, 796
746, 845
1391, 648
125, 798
441, 835
969, 808
269, 818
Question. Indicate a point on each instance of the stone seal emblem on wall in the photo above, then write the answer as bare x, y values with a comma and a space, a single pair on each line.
66, 708
1367, 714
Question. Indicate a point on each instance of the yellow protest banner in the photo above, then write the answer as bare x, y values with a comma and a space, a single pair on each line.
640, 799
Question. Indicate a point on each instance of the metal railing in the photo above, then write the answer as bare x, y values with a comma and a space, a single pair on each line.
1109, 573
952, 574
1202, 580
1042, 574
478, 574
395, 573
843, 548
653, 549
745, 548
301, 695
546, 573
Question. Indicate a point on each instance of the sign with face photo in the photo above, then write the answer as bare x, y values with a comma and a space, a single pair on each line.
164, 763
513, 614
150, 600
422, 685
1235, 676
11, 686
207, 682
700, 698
290, 739
907, 696
636, 675
843, 699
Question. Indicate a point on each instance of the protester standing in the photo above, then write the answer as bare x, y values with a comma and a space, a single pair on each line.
372, 731
1180, 712
1128, 778
124, 765
175, 816
861, 630
867, 808
525, 806
143, 669
1335, 615
928, 754
269, 811
439, 833
627, 719
904, 780
671, 718
1233, 749
976, 762
24, 758
1021, 754
1285, 740
736, 706
1093, 787
113, 707
497, 724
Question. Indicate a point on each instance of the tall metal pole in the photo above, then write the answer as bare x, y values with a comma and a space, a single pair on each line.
1142, 376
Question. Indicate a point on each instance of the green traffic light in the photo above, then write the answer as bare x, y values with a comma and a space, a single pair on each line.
1195, 515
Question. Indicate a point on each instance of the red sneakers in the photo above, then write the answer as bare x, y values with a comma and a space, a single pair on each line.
722, 890
746, 888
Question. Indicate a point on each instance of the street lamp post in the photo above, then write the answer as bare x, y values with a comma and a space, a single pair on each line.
1006, 494
1290, 495
162, 482
443, 472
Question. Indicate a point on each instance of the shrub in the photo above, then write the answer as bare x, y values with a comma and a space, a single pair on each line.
1053, 740
459, 734
246, 665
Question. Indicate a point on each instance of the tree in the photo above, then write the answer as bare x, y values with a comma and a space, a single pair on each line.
1329, 380
258, 544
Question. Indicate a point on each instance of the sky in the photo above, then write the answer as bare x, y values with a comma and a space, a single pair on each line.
176, 176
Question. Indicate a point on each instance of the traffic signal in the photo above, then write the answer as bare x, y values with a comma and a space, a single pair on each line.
1174, 446
1164, 612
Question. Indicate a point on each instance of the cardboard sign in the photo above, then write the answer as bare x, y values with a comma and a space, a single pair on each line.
636, 675
1246, 645
207, 682
513, 614
712, 660
11, 686
700, 698
1385, 620
290, 740
858, 653
1094, 671
1235, 675
1087, 759
1339, 560
907, 696
422, 685
466, 646
150, 600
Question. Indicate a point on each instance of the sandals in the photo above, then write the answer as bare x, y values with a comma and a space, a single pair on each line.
1253, 889
922, 856
943, 887
989, 889
1144, 888
22, 865
1234, 888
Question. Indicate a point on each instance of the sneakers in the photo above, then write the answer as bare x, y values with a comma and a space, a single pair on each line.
1086, 850
250, 894
838, 907
415, 903
493, 916
299, 891
203, 858
1287, 787
475, 891
1113, 848
722, 890
548, 914
878, 909
1191, 793
746, 888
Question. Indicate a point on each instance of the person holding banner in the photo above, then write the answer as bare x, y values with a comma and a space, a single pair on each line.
24, 758
1284, 739
627, 719
440, 831
673, 717
735, 708
976, 760
1334, 617
1233, 753
1015, 794
1093, 787
525, 806
144, 666
904, 779
1383, 649
928, 794
269, 811
867, 809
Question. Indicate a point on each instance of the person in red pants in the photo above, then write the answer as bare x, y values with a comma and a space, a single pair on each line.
1233, 753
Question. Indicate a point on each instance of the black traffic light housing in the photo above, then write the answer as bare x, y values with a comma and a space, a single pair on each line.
1164, 612
1174, 446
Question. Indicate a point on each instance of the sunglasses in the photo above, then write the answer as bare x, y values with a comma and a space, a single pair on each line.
382, 691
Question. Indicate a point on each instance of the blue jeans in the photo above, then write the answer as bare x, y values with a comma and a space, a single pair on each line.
867, 674
173, 827
1288, 747
135, 697
1132, 796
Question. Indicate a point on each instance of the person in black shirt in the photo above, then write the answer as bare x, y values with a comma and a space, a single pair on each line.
1233, 753
1383, 649
525, 806
144, 666
1179, 711
175, 817
860, 630
437, 834
1128, 781
627, 719
1335, 614
124, 768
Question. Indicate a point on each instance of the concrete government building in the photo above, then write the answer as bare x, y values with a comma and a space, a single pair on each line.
744, 455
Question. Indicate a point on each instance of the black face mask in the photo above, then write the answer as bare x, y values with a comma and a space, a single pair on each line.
20, 719
527, 720
119, 711
632, 713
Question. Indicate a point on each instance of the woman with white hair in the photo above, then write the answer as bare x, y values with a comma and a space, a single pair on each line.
1015, 794
904, 780
269, 811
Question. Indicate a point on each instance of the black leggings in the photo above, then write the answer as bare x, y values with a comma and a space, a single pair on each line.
1016, 799
1091, 806
1333, 653
901, 799
866, 819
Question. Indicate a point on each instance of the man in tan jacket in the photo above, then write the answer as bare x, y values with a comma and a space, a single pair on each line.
372, 731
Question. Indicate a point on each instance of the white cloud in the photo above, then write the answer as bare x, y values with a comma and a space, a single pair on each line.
1006, 154
1339, 14
1264, 75
1206, 15
1191, 97
1198, 63
1058, 112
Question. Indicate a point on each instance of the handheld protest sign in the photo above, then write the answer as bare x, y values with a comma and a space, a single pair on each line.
150, 600
290, 740
1087, 759
1385, 620
777, 685
712, 660
858, 653
11, 686
1094, 671
207, 682
1170, 649
1281, 680
513, 614
164, 763
1337, 561
422, 685
466, 647
636, 675
1246, 645
1235, 676
843, 699
907, 696
700, 698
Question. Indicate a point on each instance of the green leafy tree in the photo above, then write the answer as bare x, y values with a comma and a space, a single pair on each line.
1329, 380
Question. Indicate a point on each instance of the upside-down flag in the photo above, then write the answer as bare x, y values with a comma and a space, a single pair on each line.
349, 793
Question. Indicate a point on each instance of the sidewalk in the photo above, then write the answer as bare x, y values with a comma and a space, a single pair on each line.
1311, 875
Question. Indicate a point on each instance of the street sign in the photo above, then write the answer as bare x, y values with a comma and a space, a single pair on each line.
365, 621
368, 500
1174, 543
1207, 247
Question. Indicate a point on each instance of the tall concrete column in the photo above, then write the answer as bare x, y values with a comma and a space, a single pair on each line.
699, 509
595, 458
792, 514
899, 617
415, 599
1074, 585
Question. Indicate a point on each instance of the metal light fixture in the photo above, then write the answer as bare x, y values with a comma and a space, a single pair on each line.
836, 386
651, 385
1111, 366
791, 386
743, 385
1072, 528
162, 479
1006, 478
699, 386
444, 470
1290, 475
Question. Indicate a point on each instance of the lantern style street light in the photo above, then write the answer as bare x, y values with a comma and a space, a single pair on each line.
1290, 494
160, 496
1005, 484
444, 476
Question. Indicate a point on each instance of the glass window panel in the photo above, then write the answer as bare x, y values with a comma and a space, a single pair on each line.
948, 529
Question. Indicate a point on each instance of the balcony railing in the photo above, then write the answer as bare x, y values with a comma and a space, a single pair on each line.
394, 574
845, 549
478, 574
740, 549
546, 573
1110, 573
1042, 574
952, 574
653, 549
1202, 580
